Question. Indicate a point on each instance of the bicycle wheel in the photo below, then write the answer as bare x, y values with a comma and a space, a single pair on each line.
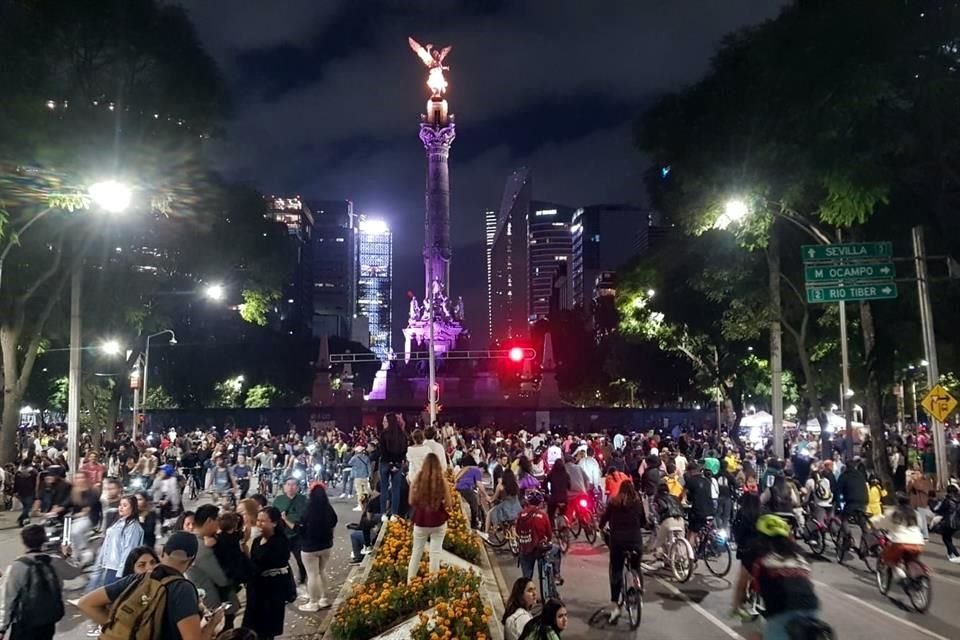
842, 548
717, 557
563, 539
590, 532
680, 558
817, 541
574, 526
633, 596
919, 592
497, 537
884, 577
513, 543
869, 553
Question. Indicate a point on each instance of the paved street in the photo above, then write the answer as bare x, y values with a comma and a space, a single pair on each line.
701, 607
298, 625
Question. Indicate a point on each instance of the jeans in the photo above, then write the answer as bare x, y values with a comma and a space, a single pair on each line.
357, 543
924, 516
528, 562
724, 512
420, 536
473, 500
346, 484
315, 562
101, 578
26, 504
617, 555
947, 535
777, 625
390, 478
244, 484
32, 633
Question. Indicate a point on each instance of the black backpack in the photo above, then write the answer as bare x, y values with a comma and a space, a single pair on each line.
40, 603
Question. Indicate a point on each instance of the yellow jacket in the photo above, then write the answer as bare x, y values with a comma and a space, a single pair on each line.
674, 487
875, 505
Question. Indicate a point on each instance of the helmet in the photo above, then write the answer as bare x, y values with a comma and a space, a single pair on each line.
534, 498
773, 526
167, 470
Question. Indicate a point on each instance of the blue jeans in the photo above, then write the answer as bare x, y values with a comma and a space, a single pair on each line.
26, 505
101, 578
390, 476
529, 562
777, 625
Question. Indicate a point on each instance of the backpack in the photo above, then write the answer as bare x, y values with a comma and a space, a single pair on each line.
138, 614
821, 489
529, 537
40, 603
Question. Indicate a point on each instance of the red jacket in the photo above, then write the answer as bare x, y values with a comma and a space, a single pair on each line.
424, 517
533, 530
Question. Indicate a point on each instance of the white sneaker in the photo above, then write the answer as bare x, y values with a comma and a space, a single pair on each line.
310, 607
394, 518
954, 559
302, 593
614, 615
323, 604
73, 601
365, 551
384, 518
484, 535
358, 508
342, 496
93, 631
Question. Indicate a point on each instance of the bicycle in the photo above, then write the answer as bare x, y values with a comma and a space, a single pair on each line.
631, 593
190, 490
583, 520
869, 551
916, 583
265, 484
712, 547
545, 578
504, 533
680, 556
561, 528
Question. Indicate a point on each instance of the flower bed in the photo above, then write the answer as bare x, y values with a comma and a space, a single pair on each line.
385, 599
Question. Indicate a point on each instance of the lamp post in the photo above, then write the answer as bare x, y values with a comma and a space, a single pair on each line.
112, 197
146, 366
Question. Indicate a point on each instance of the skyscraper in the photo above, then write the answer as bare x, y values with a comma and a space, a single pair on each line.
550, 244
509, 265
296, 304
334, 256
490, 226
375, 282
605, 237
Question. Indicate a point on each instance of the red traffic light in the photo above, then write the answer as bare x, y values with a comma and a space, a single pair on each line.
516, 354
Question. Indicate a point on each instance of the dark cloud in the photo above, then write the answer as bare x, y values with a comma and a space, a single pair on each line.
327, 100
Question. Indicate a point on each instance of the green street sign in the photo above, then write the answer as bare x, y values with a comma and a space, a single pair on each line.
849, 252
850, 273
852, 293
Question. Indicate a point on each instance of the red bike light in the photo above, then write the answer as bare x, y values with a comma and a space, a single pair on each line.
583, 502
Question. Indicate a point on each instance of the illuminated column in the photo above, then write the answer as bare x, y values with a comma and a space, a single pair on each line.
437, 133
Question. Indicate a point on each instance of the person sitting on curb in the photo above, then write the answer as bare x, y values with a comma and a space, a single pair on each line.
363, 533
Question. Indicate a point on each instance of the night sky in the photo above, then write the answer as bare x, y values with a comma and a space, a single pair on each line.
327, 97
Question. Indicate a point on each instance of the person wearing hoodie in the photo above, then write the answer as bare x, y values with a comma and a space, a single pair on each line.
359, 464
949, 509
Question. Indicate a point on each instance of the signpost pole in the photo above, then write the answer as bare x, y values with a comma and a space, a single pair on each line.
776, 346
930, 352
845, 362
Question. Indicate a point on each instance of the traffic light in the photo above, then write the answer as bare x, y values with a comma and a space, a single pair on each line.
516, 354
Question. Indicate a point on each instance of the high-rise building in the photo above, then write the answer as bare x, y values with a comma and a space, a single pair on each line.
375, 282
296, 303
490, 227
509, 265
549, 245
334, 255
605, 237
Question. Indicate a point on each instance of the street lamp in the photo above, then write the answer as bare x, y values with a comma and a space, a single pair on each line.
113, 197
146, 361
651, 293
215, 292
111, 347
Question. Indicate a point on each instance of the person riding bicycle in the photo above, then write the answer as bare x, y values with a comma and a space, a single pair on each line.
535, 538
166, 493
558, 482
670, 516
624, 514
698, 495
781, 576
781, 498
852, 491
903, 531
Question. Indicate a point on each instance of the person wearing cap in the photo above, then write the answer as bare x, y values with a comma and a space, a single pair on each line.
181, 618
359, 464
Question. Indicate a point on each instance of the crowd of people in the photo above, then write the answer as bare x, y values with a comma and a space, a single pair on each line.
121, 517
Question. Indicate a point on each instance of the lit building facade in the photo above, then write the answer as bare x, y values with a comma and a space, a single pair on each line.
490, 229
549, 246
334, 269
604, 238
375, 282
296, 304
509, 288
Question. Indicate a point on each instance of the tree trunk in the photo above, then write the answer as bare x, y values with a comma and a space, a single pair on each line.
873, 414
12, 395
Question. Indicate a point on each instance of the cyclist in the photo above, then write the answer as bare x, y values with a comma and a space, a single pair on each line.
903, 531
781, 576
535, 538
852, 491
558, 481
670, 516
819, 493
698, 494
624, 514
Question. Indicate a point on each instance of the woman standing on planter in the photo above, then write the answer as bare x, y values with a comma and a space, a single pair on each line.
317, 543
429, 498
270, 589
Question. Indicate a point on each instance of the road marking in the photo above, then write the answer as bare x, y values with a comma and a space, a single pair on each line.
951, 580
882, 612
720, 624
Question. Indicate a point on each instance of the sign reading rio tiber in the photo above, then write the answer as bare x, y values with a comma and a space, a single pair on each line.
849, 272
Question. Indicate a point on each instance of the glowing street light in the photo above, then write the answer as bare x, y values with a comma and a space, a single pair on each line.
111, 347
516, 354
651, 293
110, 195
215, 292
734, 211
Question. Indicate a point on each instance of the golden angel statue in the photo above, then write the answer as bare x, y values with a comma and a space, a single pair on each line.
433, 59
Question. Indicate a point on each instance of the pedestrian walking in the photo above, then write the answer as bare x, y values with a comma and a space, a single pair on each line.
318, 524
270, 589
31, 603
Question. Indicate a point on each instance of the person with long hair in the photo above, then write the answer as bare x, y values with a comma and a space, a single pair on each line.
558, 481
525, 478
248, 510
782, 578
516, 613
507, 501
624, 514
140, 561
429, 499
393, 453
268, 590
318, 524
745, 524
549, 624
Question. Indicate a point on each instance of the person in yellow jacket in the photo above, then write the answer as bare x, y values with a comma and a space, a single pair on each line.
875, 495
733, 462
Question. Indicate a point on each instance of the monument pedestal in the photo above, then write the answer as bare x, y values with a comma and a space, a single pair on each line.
416, 337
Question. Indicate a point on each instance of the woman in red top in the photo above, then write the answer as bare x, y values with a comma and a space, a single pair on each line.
429, 498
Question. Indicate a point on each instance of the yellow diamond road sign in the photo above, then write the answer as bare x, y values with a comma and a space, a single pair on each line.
939, 404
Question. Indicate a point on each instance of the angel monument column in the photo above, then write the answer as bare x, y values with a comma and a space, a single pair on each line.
437, 133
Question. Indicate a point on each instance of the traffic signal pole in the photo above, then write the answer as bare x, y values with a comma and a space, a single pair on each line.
930, 352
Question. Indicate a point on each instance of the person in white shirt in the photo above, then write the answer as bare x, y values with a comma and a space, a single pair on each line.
591, 468
516, 613
554, 453
434, 447
681, 461
416, 454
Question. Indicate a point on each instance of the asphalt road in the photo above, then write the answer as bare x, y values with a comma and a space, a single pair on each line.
701, 607
298, 625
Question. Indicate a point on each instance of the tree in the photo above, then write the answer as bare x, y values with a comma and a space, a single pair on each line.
159, 398
261, 396
227, 393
